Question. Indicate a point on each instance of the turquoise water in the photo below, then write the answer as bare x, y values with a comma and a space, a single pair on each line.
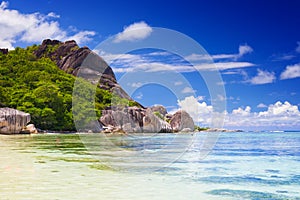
162, 166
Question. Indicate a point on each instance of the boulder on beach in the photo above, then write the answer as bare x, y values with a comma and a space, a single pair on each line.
182, 121
12, 121
29, 129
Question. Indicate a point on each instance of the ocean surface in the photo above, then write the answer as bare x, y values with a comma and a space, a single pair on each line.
241, 165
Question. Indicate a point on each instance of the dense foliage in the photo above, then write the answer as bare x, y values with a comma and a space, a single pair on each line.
38, 87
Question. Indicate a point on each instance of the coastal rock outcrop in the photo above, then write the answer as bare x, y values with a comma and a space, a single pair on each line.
181, 120
134, 120
160, 109
12, 121
154, 124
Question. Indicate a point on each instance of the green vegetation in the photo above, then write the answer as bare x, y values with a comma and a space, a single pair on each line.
158, 115
198, 128
38, 87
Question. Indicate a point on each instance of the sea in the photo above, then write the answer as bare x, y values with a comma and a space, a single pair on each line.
192, 166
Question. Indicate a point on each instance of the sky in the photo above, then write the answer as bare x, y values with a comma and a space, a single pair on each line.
252, 48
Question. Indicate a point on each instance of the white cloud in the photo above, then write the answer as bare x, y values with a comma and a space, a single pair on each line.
20, 27
221, 83
135, 84
142, 64
199, 111
262, 77
224, 65
187, 90
284, 57
122, 63
298, 47
54, 15
139, 96
82, 36
198, 57
243, 50
200, 98
133, 32
261, 105
280, 109
282, 116
278, 116
241, 111
177, 83
291, 71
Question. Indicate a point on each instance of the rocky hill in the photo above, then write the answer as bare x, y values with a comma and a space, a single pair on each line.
30, 81
69, 57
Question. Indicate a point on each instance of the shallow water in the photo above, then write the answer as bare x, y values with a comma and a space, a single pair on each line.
161, 166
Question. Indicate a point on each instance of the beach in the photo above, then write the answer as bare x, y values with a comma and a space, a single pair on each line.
243, 165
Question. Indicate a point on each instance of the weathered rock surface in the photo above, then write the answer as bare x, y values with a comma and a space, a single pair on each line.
12, 121
30, 129
128, 119
81, 61
134, 120
153, 124
181, 120
160, 109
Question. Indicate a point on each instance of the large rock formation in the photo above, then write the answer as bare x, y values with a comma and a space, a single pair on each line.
84, 63
12, 121
182, 121
160, 109
81, 61
134, 120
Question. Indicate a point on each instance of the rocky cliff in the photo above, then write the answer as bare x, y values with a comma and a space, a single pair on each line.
73, 59
12, 121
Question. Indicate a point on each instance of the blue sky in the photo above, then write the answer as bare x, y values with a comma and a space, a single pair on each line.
254, 44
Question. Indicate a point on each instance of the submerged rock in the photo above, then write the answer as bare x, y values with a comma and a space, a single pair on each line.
12, 121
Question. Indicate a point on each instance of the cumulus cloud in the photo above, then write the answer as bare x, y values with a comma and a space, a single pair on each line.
280, 109
199, 111
241, 111
135, 84
261, 105
20, 27
133, 32
177, 83
244, 49
262, 77
282, 116
291, 71
277, 116
187, 90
